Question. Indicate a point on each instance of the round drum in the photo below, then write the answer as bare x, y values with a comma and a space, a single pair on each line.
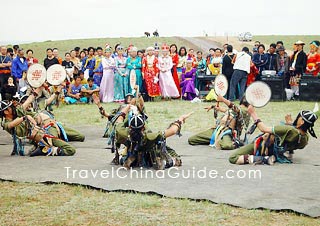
36, 75
221, 85
258, 94
56, 74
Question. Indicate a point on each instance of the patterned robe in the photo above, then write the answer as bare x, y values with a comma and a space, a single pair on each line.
151, 72
121, 79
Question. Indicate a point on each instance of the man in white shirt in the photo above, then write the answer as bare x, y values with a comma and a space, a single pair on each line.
241, 70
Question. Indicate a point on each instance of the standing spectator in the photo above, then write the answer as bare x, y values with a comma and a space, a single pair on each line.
89, 90
68, 65
10, 53
30, 59
134, 62
298, 66
279, 44
15, 51
150, 73
87, 51
19, 66
98, 71
271, 58
77, 50
89, 63
188, 77
283, 62
260, 59
201, 68
227, 65
241, 69
83, 58
211, 55
50, 59
313, 61
141, 53
224, 48
182, 60
73, 57
299, 61
74, 93
166, 82
5, 71
56, 55
255, 48
156, 50
98, 57
175, 61
121, 78
215, 64
192, 56
108, 65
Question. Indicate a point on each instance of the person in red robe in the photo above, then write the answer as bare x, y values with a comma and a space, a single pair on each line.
150, 73
313, 61
175, 60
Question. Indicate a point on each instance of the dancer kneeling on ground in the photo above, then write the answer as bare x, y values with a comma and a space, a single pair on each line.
142, 147
226, 134
48, 136
275, 141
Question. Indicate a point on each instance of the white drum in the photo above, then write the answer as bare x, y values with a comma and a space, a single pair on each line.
56, 74
36, 75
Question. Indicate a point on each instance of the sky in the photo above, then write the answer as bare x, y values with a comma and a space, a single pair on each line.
40, 20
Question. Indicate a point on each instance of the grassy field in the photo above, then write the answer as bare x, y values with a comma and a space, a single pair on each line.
288, 40
64, 46
162, 113
38, 204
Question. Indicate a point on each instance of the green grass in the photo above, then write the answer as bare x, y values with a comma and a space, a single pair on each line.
39, 48
162, 113
37, 204
57, 204
288, 40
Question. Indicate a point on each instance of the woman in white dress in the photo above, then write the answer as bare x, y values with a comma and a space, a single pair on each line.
108, 65
166, 82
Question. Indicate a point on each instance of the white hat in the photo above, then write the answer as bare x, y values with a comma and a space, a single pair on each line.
299, 43
150, 48
133, 49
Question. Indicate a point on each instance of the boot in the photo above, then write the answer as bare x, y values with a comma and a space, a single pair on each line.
38, 152
129, 161
269, 160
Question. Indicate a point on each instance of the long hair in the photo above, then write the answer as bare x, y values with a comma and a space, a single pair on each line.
174, 46
185, 50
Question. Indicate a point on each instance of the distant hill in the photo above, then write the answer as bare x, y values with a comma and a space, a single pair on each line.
39, 48
64, 46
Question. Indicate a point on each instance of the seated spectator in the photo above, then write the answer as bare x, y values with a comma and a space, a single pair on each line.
9, 89
90, 89
74, 93
83, 79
